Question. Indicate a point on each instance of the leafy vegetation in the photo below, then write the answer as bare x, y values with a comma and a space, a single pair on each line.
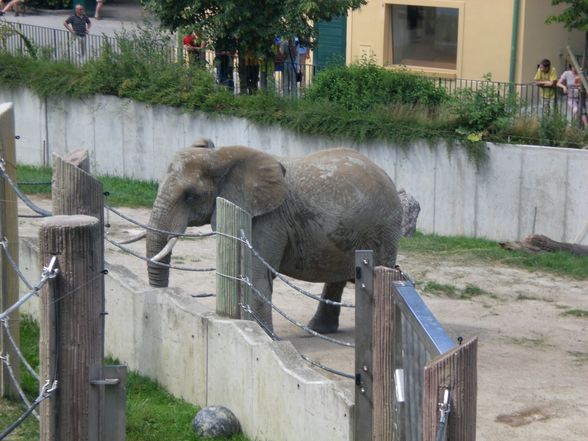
358, 103
152, 413
247, 25
365, 86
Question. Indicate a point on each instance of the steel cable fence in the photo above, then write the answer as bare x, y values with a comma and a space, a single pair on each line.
245, 281
40, 211
49, 272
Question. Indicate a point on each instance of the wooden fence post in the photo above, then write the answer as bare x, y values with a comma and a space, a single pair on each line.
71, 327
77, 192
364, 307
455, 370
230, 220
9, 283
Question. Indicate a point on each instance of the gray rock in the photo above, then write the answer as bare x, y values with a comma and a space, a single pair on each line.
410, 212
215, 421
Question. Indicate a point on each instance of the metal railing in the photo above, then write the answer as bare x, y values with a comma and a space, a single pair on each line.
524, 99
61, 45
418, 338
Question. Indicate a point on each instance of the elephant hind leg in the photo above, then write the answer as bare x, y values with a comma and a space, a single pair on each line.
326, 317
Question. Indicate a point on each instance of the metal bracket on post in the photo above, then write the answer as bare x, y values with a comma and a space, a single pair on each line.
111, 380
444, 409
364, 300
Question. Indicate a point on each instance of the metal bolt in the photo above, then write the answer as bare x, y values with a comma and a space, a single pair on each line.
362, 390
363, 286
365, 368
365, 261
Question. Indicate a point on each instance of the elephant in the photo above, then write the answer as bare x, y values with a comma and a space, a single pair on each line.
309, 215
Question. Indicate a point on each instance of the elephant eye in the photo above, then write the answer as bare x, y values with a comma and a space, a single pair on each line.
190, 195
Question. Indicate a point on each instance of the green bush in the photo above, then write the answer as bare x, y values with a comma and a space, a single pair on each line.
50, 4
365, 86
552, 129
486, 109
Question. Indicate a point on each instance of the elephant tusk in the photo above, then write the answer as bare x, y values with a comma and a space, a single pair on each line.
165, 251
135, 238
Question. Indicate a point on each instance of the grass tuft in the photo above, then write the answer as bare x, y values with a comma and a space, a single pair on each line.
581, 313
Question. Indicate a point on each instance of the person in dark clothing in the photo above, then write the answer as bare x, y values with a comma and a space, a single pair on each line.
79, 25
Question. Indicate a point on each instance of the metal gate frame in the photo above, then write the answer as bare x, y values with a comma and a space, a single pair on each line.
405, 361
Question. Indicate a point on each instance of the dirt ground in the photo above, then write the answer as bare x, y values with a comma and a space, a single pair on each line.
532, 356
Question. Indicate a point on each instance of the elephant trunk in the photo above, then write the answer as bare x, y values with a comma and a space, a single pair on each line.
166, 218
158, 275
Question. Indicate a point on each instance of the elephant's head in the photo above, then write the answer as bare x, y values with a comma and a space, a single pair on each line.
251, 179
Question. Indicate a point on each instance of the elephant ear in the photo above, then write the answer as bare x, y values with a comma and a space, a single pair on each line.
251, 179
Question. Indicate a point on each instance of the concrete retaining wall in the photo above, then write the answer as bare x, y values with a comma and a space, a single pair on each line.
165, 335
520, 189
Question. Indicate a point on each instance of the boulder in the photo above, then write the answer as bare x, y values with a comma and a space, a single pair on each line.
216, 421
410, 212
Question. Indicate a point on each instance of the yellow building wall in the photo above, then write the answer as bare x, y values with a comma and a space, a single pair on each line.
484, 37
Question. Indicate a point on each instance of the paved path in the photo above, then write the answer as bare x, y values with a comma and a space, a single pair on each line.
117, 15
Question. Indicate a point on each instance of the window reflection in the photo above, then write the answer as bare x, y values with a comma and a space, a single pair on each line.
424, 36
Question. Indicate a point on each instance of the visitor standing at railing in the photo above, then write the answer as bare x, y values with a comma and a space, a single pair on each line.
569, 82
14, 5
303, 57
546, 78
288, 50
99, 5
195, 47
79, 25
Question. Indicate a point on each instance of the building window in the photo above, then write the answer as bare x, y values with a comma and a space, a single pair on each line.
425, 36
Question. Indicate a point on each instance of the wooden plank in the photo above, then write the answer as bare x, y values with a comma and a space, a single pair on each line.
9, 283
71, 326
364, 307
455, 370
383, 350
230, 220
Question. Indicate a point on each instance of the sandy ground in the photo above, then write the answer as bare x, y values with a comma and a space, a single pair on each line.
532, 358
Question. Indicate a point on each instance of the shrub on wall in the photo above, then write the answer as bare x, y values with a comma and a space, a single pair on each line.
365, 85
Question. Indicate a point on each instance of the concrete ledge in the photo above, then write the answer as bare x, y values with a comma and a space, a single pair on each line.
168, 336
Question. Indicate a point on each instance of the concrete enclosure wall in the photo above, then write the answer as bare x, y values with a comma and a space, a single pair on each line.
518, 191
206, 360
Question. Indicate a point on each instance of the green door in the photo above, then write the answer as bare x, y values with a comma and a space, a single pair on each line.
331, 44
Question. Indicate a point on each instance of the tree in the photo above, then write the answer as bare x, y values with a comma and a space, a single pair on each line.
249, 26
575, 16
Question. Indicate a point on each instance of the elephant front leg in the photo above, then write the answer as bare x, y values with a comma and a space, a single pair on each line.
259, 297
326, 317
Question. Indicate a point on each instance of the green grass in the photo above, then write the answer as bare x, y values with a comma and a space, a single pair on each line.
452, 291
121, 191
152, 413
581, 313
489, 252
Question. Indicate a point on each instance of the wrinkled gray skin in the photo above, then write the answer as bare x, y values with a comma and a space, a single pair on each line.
310, 214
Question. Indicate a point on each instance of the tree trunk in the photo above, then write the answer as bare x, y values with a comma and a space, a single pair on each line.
537, 242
